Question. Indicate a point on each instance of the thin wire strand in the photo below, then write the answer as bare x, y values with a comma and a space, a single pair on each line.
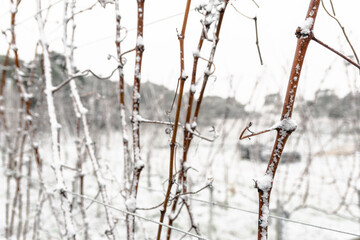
138, 216
211, 203
132, 29
271, 216
277, 217
41, 10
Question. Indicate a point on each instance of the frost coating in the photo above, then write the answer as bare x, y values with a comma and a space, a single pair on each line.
306, 26
130, 204
264, 183
193, 88
184, 75
286, 124
196, 53
139, 41
139, 165
13, 7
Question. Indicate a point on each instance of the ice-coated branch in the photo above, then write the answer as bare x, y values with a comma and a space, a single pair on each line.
252, 133
213, 14
138, 164
256, 30
24, 123
336, 52
342, 28
181, 81
82, 74
188, 128
217, 19
286, 125
55, 130
44, 191
125, 139
2, 87
81, 112
177, 195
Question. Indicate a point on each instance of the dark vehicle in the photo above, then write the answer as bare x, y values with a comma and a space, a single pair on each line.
260, 152
289, 157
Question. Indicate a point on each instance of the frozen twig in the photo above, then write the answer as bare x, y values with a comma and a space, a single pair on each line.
336, 52
138, 163
213, 14
125, 138
81, 114
82, 74
342, 28
55, 129
24, 122
256, 30
181, 81
252, 133
195, 133
178, 194
139, 216
286, 126
83, 10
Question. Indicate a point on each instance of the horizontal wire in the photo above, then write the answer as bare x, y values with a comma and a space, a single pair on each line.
40, 11
270, 215
138, 216
277, 217
131, 29
198, 200
223, 206
215, 204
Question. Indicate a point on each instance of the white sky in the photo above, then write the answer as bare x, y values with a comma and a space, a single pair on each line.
236, 55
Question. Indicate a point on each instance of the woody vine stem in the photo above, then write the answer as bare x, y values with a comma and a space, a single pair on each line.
286, 125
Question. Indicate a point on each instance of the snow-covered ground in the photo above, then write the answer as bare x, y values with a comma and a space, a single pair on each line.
320, 189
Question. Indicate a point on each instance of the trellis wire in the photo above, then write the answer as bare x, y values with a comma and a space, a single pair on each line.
271, 216
138, 216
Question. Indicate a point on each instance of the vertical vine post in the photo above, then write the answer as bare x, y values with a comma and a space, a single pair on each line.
218, 15
286, 126
24, 122
125, 139
182, 79
135, 119
81, 112
55, 132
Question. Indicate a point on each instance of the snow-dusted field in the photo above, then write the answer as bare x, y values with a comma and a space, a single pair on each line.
319, 190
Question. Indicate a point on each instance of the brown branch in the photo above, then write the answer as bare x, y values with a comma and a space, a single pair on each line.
2, 87
257, 41
125, 140
265, 184
138, 163
255, 3
212, 72
174, 98
342, 28
178, 194
182, 80
189, 131
83, 10
332, 7
197, 134
211, 59
253, 134
82, 74
126, 52
256, 31
24, 124
336, 52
